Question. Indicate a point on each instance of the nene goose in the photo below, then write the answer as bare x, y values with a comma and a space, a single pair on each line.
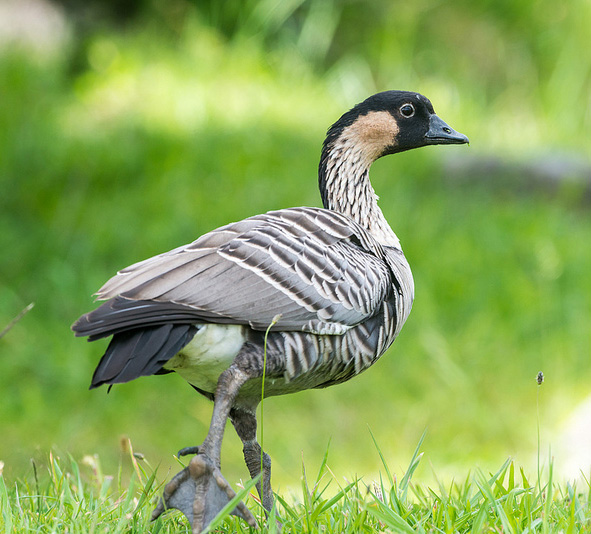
336, 278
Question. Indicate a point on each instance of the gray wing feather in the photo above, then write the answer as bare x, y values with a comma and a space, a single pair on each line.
317, 268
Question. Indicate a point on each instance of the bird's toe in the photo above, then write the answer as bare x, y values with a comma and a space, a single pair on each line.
200, 491
186, 451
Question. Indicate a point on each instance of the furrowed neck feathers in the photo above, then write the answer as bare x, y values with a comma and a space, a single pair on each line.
351, 146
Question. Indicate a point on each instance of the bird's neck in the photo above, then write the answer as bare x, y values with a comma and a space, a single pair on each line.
345, 187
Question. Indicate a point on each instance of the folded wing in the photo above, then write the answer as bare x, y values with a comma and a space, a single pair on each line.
316, 268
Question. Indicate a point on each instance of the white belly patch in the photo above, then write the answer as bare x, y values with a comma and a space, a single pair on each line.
207, 355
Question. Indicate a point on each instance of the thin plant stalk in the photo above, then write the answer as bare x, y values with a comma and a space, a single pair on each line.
273, 323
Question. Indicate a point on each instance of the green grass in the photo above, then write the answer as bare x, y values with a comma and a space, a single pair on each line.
70, 497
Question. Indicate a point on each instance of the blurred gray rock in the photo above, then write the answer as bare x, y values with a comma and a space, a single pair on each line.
550, 171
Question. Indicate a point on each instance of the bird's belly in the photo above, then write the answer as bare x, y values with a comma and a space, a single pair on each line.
208, 354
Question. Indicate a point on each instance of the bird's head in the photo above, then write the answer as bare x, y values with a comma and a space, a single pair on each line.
391, 122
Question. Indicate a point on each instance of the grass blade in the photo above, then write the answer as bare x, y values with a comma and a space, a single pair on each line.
414, 463
384, 463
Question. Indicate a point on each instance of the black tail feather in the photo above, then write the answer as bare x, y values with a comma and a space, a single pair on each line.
141, 352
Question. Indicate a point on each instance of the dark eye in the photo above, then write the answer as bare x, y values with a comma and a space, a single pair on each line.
407, 110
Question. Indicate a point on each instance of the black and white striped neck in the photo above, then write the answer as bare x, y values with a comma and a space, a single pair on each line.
345, 186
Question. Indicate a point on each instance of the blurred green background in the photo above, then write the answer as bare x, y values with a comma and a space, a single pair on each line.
127, 132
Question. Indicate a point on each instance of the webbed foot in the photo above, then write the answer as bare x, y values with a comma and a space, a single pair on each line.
200, 491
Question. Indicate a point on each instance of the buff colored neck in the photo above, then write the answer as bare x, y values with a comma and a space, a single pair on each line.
345, 185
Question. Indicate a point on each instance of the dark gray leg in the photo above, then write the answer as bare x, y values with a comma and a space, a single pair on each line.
200, 491
245, 423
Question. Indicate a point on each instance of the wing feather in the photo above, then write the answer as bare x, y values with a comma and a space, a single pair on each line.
316, 267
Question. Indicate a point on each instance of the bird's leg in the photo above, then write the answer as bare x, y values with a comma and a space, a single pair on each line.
245, 424
200, 491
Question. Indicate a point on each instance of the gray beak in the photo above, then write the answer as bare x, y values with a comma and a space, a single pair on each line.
441, 134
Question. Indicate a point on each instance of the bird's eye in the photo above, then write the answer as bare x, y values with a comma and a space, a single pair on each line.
407, 110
